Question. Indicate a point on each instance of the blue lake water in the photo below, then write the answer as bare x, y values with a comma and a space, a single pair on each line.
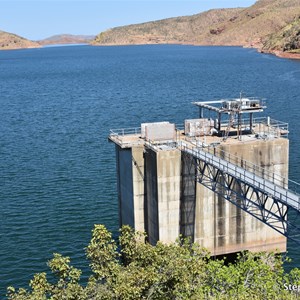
57, 169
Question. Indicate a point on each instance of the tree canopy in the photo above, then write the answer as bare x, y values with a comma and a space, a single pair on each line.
133, 269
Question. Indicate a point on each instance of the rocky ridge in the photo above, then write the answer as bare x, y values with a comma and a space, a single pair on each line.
256, 26
63, 39
286, 42
10, 41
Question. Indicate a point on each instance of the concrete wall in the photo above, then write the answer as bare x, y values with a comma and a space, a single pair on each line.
125, 186
138, 187
168, 191
157, 193
162, 194
187, 196
224, 228
151, 197
130, 170
205, 229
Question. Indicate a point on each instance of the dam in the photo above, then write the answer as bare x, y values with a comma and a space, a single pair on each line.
220, 179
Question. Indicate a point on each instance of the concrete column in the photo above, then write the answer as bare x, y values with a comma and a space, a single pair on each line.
130, 170
125, 186
272, 156
151, 196
138, 187
187, 196
168, 191
224, 228
205, 216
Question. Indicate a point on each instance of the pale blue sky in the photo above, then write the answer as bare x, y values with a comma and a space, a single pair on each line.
43, 18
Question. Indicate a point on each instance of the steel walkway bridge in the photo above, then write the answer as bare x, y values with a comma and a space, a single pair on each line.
269, 200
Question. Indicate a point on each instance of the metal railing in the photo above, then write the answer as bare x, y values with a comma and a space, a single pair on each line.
284, 195
125, 131
286, 186
271, 123
249, 166
253, 168
119, 136
264, 126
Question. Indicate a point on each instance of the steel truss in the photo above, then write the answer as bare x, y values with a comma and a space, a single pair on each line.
253, 200
187, 196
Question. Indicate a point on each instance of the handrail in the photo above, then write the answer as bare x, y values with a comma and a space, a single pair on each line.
260, 120
249, 166
125, 131
284, 195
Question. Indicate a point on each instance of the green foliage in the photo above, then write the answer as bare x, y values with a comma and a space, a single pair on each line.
180, 270
67, 286
102, 252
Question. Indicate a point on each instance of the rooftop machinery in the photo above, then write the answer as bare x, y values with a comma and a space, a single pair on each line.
233, 108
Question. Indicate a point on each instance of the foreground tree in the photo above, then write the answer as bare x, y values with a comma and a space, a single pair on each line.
180, 270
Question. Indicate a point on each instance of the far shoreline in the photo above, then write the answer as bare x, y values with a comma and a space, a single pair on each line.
280, 54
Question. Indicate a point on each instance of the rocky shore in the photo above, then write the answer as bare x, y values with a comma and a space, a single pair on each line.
282, 54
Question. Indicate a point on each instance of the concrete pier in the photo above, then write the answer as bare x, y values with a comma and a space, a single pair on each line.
131, 190
159, 193
223, 227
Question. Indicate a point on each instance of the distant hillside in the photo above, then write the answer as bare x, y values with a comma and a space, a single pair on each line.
13, 41
67, 39
192, 29
250, 27
285, 40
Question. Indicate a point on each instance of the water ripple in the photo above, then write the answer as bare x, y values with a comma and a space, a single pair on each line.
57, 169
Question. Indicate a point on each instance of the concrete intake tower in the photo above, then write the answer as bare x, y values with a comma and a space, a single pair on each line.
215, 180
